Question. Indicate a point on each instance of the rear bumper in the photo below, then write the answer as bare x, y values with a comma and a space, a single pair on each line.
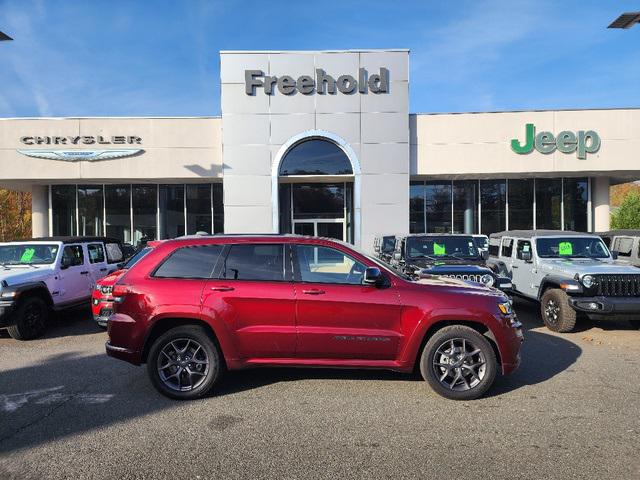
122, 353
606, 306
126, 339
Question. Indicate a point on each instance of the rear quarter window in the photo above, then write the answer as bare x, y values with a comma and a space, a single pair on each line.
189, 262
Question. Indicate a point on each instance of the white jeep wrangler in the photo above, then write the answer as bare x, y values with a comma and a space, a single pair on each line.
42, 275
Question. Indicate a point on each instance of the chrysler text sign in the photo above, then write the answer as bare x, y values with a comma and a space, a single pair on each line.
582, 142
323, 83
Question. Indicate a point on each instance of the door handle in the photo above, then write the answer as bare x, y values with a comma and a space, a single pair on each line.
313, 291
103, 269
84, 273
222, 289
514, 266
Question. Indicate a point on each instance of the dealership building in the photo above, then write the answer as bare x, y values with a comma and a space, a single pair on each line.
320, 143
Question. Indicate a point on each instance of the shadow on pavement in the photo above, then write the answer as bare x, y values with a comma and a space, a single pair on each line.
67, 323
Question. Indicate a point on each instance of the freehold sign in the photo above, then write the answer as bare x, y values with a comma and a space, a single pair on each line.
582, 142
323, 83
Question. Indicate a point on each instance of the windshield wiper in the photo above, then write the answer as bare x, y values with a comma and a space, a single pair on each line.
423, 255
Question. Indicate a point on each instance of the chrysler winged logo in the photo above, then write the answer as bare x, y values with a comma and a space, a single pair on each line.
82, 155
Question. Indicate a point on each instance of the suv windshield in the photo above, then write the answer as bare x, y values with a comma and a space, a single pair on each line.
571, 247
28, 254
442, 246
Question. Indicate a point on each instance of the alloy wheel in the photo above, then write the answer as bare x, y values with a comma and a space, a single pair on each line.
183, 364
459, 365
552, 311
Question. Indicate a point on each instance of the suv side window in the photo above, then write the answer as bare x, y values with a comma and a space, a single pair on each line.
190, 262
624, 246
114, 253
72, 255
254, 262
507, 247
318, 264
523, 246
96, 253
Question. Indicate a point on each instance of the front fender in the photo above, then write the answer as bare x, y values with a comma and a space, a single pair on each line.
569, 285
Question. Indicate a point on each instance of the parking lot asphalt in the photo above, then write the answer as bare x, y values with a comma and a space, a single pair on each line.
571, 411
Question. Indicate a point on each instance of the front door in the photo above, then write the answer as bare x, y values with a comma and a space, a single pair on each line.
337, 316
97, 261
524, 280
253, 295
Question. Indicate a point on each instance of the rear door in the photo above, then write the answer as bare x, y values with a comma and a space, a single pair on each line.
97, 261
337, 316
253, 295
74, 280
524, 280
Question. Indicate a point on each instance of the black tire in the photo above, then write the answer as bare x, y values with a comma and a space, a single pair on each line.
432, 353
189, 335
557, 314
30, 319
635, 324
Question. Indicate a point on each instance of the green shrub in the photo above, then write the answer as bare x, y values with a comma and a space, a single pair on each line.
628, 215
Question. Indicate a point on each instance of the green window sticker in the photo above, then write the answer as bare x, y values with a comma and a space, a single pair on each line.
27, 255
439, 249
565, 248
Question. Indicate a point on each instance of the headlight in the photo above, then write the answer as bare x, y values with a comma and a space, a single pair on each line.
505, 307
587, 281
487, 280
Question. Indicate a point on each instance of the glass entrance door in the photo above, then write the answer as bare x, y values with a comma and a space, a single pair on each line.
335, 228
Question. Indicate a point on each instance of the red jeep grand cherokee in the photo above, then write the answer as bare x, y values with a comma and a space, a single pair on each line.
194, 307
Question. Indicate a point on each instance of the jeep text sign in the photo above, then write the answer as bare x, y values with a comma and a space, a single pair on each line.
566, 142
322, 83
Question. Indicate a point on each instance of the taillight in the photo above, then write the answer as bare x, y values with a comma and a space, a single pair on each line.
119, 292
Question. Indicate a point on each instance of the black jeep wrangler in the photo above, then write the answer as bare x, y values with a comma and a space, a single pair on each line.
450, 255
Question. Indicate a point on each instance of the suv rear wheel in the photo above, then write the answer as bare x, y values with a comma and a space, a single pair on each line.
556, 312
30, 316
184, 363
459, 363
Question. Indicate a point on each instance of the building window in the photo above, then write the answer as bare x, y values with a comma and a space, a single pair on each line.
315, 157
549, 203
63, 210
90, 210
465, 206
117, 202
218, 208
493, 206
144, 201
199, 208
520, 204
416, 207
171, 208
575, 204
438, 207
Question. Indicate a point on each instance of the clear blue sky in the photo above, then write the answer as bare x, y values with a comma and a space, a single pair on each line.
160, 58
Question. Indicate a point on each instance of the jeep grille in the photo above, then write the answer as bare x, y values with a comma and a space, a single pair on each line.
471, 278
617, 285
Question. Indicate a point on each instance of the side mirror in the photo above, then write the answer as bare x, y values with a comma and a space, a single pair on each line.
485, 255
526, 256
372, 276
614, 254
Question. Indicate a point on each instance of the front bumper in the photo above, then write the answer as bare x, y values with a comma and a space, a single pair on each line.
607, 306
6, 319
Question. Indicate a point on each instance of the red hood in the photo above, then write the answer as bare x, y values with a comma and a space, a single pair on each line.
110, 279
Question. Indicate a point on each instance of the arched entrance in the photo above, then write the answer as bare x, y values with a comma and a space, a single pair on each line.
315, 187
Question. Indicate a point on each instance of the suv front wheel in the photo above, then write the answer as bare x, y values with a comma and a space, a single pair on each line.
30, 319
184, 363
557, 314
459, 363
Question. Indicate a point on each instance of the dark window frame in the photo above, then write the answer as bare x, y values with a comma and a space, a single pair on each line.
74, 246
510, 247
297, 276
153, 274
102, 248
286, 260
